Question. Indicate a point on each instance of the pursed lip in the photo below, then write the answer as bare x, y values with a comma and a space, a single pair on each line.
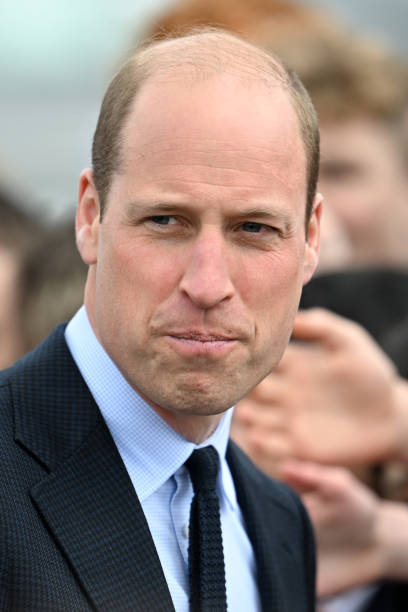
195, 343
198, 336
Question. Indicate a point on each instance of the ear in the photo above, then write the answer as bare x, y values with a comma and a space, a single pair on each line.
87, 218
312, 240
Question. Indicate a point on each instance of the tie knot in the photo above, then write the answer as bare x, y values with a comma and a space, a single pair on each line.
203, 465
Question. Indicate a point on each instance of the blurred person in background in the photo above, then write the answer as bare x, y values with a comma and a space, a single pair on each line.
52, 283
42, 278
362, 95
19, 235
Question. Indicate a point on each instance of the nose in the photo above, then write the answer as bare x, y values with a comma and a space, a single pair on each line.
206, 279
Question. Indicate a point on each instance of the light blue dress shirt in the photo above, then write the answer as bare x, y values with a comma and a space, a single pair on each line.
154, 455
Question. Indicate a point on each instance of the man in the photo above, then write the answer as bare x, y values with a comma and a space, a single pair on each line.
199, 224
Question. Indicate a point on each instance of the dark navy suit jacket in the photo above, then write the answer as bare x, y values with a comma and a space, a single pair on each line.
73, 535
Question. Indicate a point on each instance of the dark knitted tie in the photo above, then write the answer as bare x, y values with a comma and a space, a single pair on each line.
205, 554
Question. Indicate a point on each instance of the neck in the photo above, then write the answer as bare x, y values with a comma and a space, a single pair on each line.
194, 428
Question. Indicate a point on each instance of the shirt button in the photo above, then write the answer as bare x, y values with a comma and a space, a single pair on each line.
186, 531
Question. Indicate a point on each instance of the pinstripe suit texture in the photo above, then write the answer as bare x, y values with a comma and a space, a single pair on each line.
73, 535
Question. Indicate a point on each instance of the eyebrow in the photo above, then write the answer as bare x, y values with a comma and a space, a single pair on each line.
152, 207
261, 212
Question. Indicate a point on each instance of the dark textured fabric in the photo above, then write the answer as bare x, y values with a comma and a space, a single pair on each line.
281, 535
390, 597
73, 535
205, 553
377, 299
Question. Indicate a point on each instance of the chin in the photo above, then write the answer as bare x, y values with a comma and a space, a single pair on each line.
204, 398
198, 404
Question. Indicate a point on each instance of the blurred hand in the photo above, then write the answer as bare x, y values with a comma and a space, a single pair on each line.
334, 398
360, 538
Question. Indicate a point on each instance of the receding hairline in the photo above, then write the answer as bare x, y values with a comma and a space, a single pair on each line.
223, 51
188, 61
197, 56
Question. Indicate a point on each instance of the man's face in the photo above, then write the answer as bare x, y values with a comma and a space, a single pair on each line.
364, 183
197, 266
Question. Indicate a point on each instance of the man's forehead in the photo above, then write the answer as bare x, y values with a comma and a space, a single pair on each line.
201, 130
182, 65
199, 56
222, 95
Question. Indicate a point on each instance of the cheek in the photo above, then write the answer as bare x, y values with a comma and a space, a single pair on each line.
141, 275
272, 282
275, 309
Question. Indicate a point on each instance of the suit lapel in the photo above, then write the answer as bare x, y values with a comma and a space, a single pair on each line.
270, 527
87, 500
91, 508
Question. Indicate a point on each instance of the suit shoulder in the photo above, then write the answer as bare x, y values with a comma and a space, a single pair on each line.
45, 353
24, 378
48, 401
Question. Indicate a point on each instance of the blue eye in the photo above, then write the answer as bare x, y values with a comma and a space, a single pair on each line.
162, 219
252, 226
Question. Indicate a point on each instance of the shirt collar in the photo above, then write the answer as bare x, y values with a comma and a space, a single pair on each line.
144, 440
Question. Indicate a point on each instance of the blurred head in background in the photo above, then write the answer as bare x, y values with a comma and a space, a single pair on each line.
42, 278
52, 283
360, 92
19, 233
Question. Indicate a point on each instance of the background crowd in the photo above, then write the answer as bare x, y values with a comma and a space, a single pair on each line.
332, 419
